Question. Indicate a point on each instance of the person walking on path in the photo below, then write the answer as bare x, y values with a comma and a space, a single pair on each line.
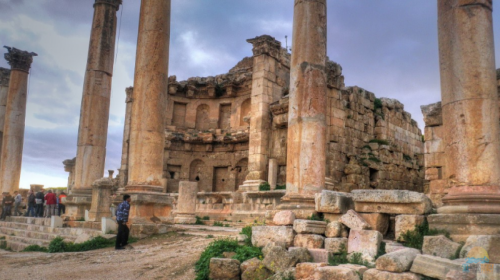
39, 204
31, 205
122, 218
51, 201
17, 203
7, 203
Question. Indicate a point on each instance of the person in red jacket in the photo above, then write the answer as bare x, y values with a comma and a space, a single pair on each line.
51, 201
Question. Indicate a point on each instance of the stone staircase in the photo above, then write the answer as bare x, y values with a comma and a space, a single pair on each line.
18, 233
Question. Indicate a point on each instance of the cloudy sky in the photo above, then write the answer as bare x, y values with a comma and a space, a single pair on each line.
386, 46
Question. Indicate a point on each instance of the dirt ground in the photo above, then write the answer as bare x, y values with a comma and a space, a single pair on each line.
168, 256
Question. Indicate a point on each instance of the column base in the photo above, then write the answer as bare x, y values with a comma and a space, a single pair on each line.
77, 203
185, 218
302, 205
472, 199
250, 186
461, 226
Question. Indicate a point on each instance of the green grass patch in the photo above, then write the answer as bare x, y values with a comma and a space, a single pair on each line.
264, 187
205, 218
248, 232
35, 248
377, 104
281, 187
415, 238
57, 245
198, 221
218, 224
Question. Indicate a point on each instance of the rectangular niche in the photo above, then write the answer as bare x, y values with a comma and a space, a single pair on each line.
179, 116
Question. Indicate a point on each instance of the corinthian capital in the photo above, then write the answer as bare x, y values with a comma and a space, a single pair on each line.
114, 3
18, 59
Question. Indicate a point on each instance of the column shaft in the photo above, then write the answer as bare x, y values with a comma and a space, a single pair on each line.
94, 114
306, 155
470, 108
147, 136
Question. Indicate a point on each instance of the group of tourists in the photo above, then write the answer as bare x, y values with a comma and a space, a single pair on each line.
39, 204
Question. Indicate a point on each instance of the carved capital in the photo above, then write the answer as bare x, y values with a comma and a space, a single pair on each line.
4, 77
265, 44
130, 94
18, 59
115, 3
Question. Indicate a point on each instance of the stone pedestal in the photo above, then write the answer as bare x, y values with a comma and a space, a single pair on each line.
15, 117
186, 203
101, 199
470, 118
94, 113
145, 184
306, 147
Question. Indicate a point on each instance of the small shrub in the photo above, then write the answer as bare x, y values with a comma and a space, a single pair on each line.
57, 245
381, 250
213, 250
339, 258
248, 232
357, 258
244, 253
314, 217
264, 187
205, 218
281, 187
198, 221
379, 141
415, 238
35, 248
218, 224
377, 103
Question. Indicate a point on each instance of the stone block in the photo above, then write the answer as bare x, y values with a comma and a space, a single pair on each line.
391, 246
354, 221
304, 271
406, 223
366, 242
251, 262
309, 241
261, 235
490, 243
461, 226
434, 267
433, 114
82, 238
56, 222
333, 202
255, 271
460, 275
488, 271
335, 245
224, 269
440, 246
333, 229
286, 274
398, 261
361, 269
284, 218
377, 221
330, 217
335, 273
308, 226
319, 255
375, 274
391, 202
108, 225
302, 254
279, 259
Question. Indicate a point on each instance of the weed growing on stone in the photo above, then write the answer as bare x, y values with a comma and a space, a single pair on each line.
316, 217
218, 224
415, 238
205, 218
379, 141
264, 187
198, 221
343, 258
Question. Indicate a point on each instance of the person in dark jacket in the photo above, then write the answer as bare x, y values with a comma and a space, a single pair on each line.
31, 205
7, 203
122, 218
39, 197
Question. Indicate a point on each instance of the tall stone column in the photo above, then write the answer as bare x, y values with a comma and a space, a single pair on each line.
123, 175
147, 128
306, 154
4, 89
94, 112
69, 166
266, 55
470, 118
15, 117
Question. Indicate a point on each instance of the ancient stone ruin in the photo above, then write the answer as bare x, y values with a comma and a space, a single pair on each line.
280, 141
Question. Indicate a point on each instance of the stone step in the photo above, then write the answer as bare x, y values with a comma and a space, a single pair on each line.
49, 230
29, 220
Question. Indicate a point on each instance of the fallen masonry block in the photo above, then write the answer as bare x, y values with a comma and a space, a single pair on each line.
261, 235
302, 254
304, 271
488, 271
377, 221
374, 274
309, 241
224, 269
308, 226
398, 261
319, 255
359, 268
391, 202
335, 273
406, 223
279, 259
333, 202
333, 229
335, 245
284, 218
435, 267
366, 242
440, 246
391, 246
354, 221
490, 243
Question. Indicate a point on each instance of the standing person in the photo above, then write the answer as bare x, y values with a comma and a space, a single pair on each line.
122, 219
62, 200
7, 202
39, 198
51, 201
17, 202
31, 205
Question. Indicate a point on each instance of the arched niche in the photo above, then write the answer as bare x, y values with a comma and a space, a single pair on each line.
246, 106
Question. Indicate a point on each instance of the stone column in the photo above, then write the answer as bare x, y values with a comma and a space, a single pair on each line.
470, 119
147, 128
94, 112
186, 203
273, 173
266, 55
69, 166
4, 88
123, 175
15, 117
306, 154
